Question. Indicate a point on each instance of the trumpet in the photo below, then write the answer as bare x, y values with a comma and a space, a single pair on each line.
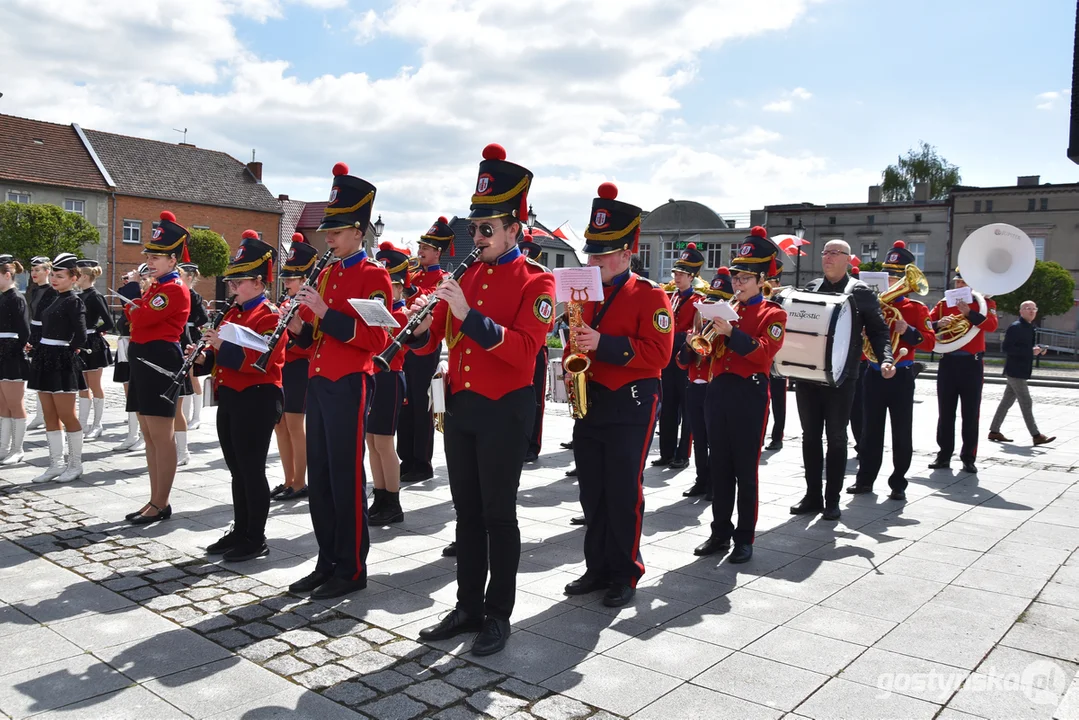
286, 317
704, 342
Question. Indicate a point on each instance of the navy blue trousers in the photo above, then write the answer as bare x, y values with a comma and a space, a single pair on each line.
539, 388
737, 412
415, 426
695, 397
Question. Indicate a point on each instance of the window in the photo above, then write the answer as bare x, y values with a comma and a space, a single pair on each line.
716, 256
866, 255
18, 197
559, 260
790, 222
871, 220
917, 249
917, 217
1039, 247
831, 220
1030, 205
645, 253
206, 227
670, 255
133, 231
76, 206
977, 206
989, 206
1045, 204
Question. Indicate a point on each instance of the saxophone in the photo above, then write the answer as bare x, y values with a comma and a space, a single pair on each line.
576, 363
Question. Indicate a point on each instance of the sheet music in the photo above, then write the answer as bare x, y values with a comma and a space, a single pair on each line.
374, 312
580, 284
876, 280
954, 295
710, 311
242, 336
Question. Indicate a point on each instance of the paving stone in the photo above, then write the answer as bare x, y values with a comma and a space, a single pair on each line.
316, 656
262, 651
125, 583
240, 584
213, 622
386, 681
472, 678
496, 704
162, 603
260, 630
237, 599
211, 606
459, 712
375, 636
341, 627
264, 591
249, 612
128, 562
435, 692
184, 615
302, 638
282, 603
348, 646
404, 649
522, 715
231, 639
324, 676
201, 594
172, 586
165, 574
103, 556
140, 594
286, 665
369, 662
287, 621
526, 690
395, 707
312, 611
350, 693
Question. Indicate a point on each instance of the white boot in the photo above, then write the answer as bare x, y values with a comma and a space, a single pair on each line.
187, 410
38, 420
56, 456
195, 420
74, 457
132, 433
18, 431
183, 457
84, 415
5, 436
99, 417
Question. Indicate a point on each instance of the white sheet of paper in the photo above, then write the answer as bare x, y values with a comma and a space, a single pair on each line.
876, 280
242, 336
580, 284
710, 311
374, 312
954, 295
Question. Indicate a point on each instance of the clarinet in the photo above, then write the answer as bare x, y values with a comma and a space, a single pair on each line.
384, 358
286, 318
178, 379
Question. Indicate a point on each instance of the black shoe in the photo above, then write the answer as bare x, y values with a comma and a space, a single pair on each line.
572, 472
857, 489
774, 445
450, 550
246, 551
831, 512
291, 494
567, 445
897, 495
389, 509
417, 476
698, 488
807, 505
619, 595
377, 497
679, 464
743, 552
708, 496
587, 583
454, 624
579, 520
222, 546
492, 637
661, 462
968, 466
941, 463
132, 515
278, 490
310, 582
141, 519
711, 546
336, 587
529, 458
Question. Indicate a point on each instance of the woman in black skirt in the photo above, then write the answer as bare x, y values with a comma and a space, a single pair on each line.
97, 355
56, 370
14, 367
135, 283
39, 293
196, 319
157, 324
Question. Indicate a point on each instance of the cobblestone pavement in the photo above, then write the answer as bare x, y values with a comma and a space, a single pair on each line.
962, 603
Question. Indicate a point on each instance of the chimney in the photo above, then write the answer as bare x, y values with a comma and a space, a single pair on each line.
283, 198
921, 192
731, 224
255, 168
874, 194
1029, 180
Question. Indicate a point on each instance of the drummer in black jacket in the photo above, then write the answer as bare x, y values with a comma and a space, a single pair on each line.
821, 406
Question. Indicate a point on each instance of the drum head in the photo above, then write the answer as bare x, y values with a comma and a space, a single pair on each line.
842, 335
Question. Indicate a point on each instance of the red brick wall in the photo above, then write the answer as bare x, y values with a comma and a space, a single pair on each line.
229, 222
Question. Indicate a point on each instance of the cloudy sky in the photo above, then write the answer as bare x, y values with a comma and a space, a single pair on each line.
734, 103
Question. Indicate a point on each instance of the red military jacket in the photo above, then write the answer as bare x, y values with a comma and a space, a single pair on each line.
398, 312
343, 343
425, 280
493, 352
637, 332
987, 323
161, 313
684, 315
233, 364
756, 338
919, 334
292, 350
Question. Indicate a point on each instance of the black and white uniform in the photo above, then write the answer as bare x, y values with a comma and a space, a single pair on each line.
97, 353
41, 299
56, 367
14, 334
196, 318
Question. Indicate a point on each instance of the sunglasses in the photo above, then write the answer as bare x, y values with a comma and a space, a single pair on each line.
485, 229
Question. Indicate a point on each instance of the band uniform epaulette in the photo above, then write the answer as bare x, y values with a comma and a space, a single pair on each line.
540, 265
373, 261
653, 283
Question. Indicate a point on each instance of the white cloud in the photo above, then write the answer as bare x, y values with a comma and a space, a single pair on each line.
801, 93
786, 104
1048, 100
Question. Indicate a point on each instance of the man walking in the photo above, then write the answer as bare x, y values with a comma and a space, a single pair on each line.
1020, 350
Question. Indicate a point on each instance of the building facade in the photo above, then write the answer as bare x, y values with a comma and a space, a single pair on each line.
668, 229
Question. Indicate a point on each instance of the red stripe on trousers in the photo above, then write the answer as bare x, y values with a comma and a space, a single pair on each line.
640, 487
361, 491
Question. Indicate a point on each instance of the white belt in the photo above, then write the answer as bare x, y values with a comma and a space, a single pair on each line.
699, 381
91, 331
35, 322
54, 342
8, 336
190, 324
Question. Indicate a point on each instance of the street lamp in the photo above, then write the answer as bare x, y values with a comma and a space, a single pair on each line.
800, 233
379, 227
531, 218
873, 252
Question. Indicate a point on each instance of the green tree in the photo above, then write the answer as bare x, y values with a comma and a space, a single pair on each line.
209, 251
30, 230
923, 165
1050, 286
871, 267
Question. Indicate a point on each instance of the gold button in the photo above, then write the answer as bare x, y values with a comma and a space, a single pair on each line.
589, 373
479, 302
467, 368
331, 301
626, 354
318, 370
485, 286
490, 271
334, 287
468, 351
468, 384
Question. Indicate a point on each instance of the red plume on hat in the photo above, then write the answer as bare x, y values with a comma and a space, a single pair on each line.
250, 235
609, 191
758, 231
166, 215
340, 169
298, 238
723, 271
899, 244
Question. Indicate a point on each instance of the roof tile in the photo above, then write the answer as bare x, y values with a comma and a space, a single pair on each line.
59, 158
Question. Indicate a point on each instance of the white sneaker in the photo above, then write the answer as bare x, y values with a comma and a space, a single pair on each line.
56, 457
74, 457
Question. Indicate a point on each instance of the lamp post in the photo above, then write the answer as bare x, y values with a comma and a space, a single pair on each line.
873, 252
799, 232
379, 227
531, 218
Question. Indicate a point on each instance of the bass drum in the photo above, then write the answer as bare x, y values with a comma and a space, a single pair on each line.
821, 345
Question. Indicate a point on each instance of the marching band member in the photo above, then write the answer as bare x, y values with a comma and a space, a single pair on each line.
135, 284
415, 426
196, 319
339, 389
389, 394
291, 434
699, 371
959, 379
97, 355
672, 450
894, 399
56, 370
157, 325
629, 336
737, 403
249, 400
824, 410
14, 367
494, 321
539, 377
38, 296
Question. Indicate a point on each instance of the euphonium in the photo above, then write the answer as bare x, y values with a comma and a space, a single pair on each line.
705, 341
576, 363
913, 281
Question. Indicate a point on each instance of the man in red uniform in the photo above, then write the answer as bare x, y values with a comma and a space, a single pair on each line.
539, 376
960, 376
674, 451
339, 393
629, 337
894, 397
494, 321
415, 426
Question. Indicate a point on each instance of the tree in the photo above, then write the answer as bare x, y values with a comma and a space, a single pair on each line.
923, 165
1050, 286
209, 251
27, 231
